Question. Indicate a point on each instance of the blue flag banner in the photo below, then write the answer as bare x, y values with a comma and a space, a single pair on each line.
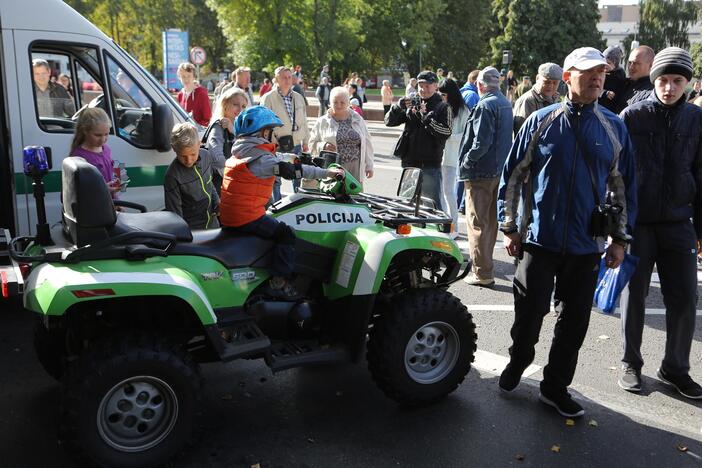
175, 51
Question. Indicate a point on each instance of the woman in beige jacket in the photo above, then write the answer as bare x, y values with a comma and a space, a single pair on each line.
345, 132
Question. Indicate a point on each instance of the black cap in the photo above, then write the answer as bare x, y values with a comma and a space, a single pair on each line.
427, 76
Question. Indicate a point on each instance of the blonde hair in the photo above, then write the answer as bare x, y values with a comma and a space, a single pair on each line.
225, 98
187, 66
89, 118
184, 135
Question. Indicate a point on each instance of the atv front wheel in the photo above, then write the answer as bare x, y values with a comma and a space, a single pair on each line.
130, 402
421, 348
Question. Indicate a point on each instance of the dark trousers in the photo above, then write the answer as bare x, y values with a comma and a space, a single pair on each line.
576, 277
672, 247
268, 227
386, 109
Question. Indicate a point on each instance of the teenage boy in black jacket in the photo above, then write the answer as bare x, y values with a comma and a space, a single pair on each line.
665, 132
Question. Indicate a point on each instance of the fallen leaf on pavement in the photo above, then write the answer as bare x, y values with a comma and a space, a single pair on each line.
257, 465
519, 457
682, 448
556, 448
612, 368
310, 440
603, 337
226, 396
570, 422
592, 423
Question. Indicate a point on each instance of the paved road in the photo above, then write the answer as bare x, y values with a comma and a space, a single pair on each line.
335, 416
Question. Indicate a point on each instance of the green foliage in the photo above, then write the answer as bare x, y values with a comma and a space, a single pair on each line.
539, 31
137, 26
696, 52
665, 23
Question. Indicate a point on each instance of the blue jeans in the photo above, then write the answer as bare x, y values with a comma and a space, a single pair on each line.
431, 185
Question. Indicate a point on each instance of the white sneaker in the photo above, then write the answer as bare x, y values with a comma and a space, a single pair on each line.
475, 281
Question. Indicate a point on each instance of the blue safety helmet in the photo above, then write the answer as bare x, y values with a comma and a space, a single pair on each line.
254, 119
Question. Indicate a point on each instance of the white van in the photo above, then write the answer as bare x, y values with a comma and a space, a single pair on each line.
101, 74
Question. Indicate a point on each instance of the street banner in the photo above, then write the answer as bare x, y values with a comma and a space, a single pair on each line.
175, 51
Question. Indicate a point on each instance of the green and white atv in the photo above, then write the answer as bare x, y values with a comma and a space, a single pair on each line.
130, 303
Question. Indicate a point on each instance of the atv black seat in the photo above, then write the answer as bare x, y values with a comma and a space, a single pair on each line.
232, 249
89, 214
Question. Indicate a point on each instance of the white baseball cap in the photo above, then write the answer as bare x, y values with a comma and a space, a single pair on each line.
584, 58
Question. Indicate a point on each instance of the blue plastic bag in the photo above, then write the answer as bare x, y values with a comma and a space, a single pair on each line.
611, 282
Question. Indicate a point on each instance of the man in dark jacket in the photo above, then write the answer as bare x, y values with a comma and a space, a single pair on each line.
567, 153
615, 81
638, 86
427, 127
485, 145
666, 134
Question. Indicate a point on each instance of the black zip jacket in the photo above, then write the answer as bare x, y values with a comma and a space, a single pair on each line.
668, 145
633, 92
424, 137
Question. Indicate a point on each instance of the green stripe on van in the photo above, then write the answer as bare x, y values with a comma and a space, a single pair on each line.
139, 176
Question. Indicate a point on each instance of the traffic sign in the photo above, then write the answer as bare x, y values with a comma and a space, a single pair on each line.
198, 55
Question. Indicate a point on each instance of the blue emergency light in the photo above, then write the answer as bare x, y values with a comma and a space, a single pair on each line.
35, 161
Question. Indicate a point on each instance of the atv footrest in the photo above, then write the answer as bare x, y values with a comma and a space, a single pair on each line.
297, 354
243, 340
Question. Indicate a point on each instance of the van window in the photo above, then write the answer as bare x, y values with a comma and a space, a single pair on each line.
66, 78
132, 106
54, 102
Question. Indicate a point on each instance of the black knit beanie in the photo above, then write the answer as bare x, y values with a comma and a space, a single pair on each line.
672, 60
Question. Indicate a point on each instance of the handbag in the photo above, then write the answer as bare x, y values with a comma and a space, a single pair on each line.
612, 281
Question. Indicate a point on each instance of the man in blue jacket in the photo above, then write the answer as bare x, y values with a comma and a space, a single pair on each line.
485, 145
666, 134
570, 155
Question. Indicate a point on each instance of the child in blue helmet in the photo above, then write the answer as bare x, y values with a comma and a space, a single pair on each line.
247, 186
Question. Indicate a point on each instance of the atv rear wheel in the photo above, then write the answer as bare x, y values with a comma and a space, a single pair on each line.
421, 349
130, 402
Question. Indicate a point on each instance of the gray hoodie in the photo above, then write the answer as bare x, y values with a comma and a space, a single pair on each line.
264, 164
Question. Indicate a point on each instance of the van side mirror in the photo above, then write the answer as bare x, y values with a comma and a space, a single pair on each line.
163, 124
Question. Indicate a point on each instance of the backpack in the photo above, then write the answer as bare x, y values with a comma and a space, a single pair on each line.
228, 143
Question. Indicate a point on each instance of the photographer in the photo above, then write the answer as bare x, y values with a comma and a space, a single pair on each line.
427, 120
570, 154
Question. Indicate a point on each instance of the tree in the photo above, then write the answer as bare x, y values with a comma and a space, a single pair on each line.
696, 52
535, 32
137, 26
665, 23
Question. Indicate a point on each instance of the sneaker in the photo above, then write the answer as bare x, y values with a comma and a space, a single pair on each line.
475, 281
683, 384
509, 379
630, 379
564, 404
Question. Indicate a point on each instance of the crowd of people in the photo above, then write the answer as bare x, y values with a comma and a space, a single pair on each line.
539, 165
545, 168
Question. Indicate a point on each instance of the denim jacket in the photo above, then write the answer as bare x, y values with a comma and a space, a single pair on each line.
487, 138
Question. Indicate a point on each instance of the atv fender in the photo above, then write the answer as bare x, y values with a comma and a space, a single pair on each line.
51, 289
367, 252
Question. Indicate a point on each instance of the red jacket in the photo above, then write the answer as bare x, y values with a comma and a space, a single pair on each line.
244, 196
197, 104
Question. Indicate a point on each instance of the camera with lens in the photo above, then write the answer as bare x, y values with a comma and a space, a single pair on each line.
415, 101
605, 220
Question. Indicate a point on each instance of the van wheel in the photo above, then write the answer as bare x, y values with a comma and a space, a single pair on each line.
50, 348
130, 402
421, 348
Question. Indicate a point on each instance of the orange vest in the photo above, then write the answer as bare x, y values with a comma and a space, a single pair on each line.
244, 196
